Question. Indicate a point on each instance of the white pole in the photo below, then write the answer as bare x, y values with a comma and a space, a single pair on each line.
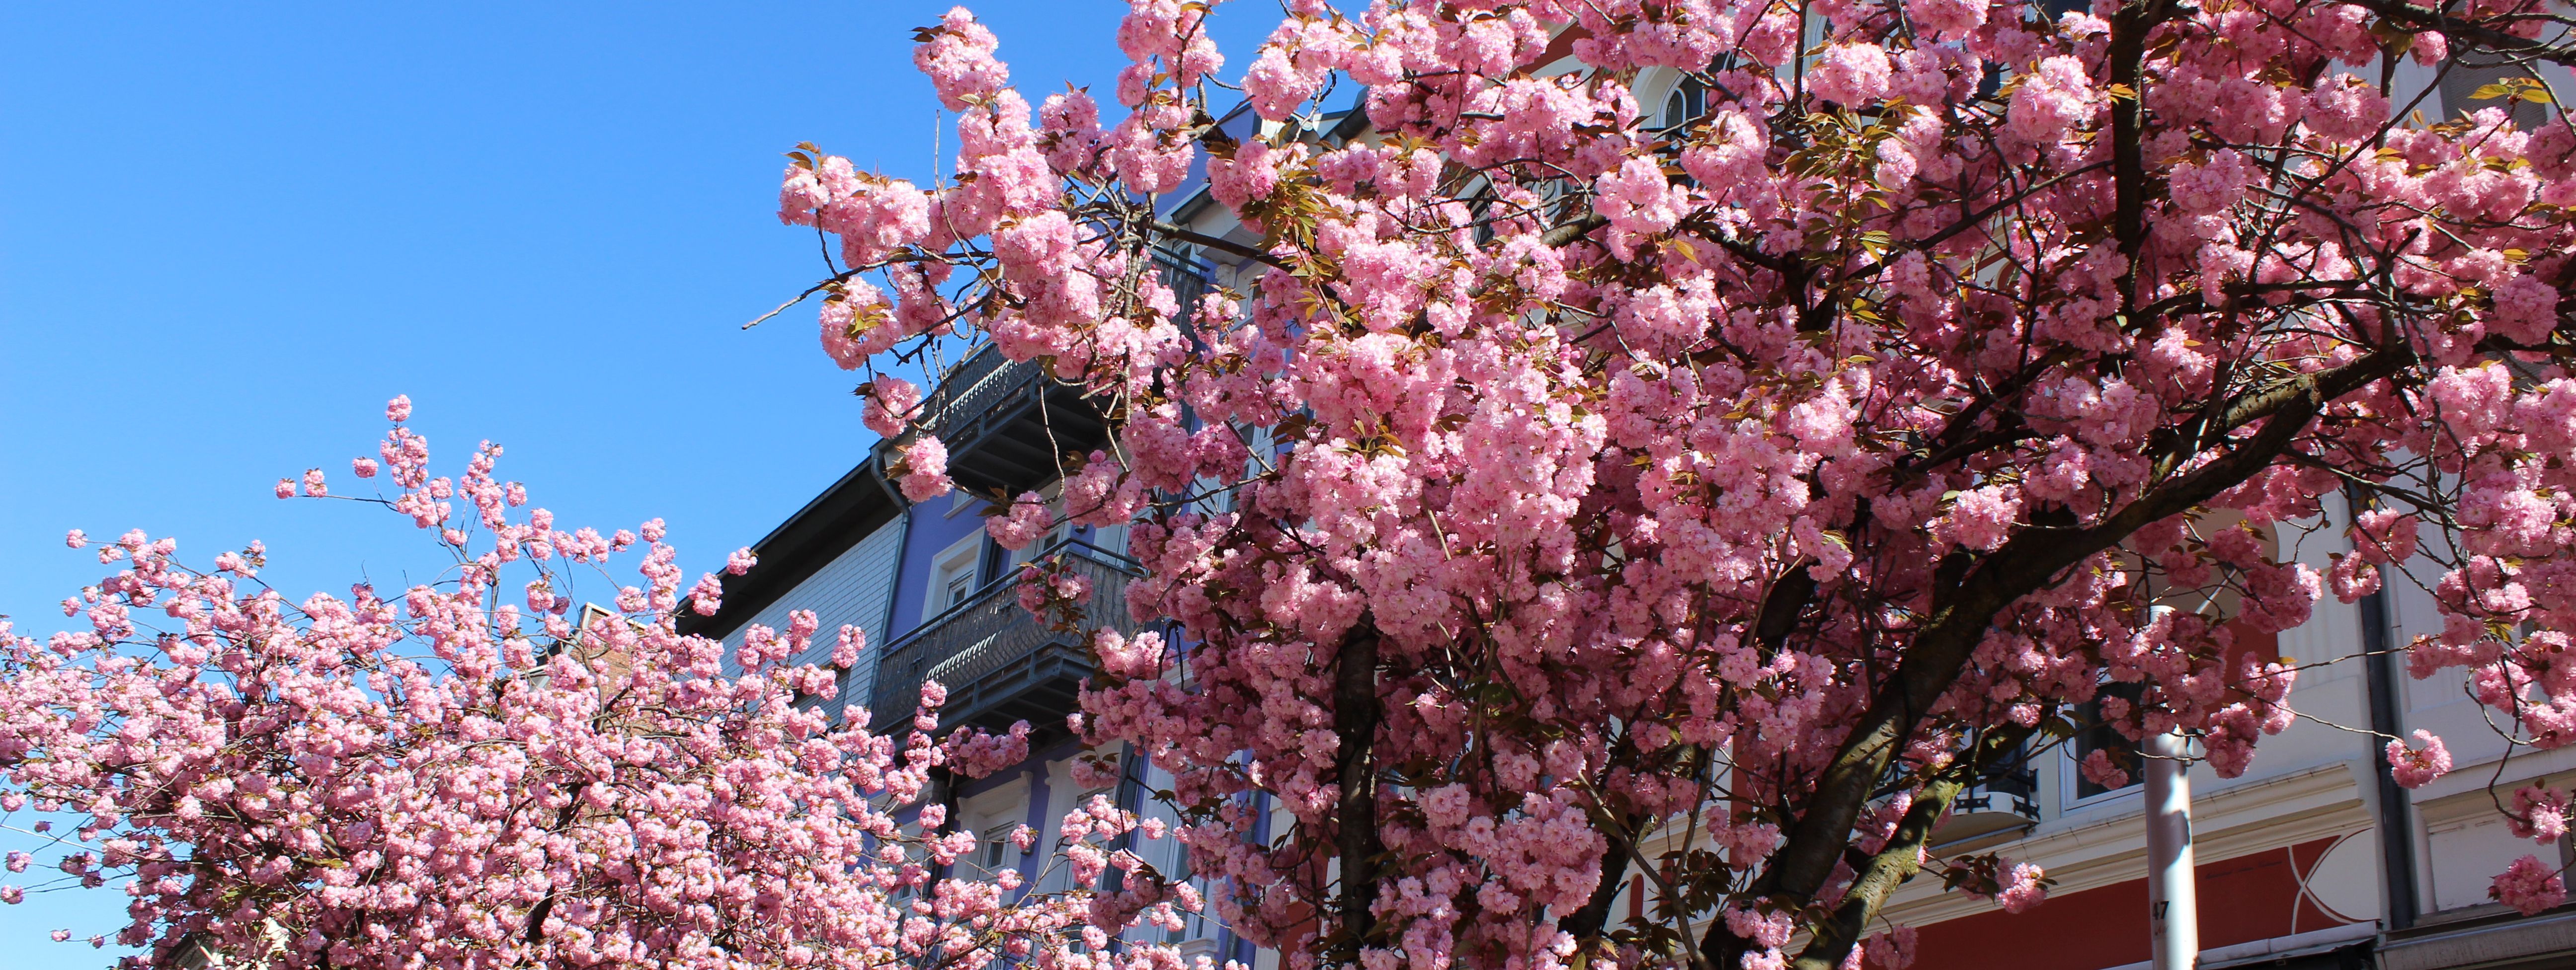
2173, 898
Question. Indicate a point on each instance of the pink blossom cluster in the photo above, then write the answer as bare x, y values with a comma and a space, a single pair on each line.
1550, 459
2530, 885
1023, 522
2419, 764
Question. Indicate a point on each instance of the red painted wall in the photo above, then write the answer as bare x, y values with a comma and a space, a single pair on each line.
2247, 898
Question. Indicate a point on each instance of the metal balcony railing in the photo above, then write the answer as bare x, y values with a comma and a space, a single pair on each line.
999, 663
2003, 802
2014, 790
1007, 424
975, 389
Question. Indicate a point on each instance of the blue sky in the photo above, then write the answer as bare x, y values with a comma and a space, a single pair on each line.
229, 232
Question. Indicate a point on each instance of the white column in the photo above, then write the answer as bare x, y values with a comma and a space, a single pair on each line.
2173, 899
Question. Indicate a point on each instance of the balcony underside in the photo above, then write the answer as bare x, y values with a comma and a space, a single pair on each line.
1039, 687
1018, 446
1008, 426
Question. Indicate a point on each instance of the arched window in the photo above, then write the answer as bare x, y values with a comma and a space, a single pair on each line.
1684, 105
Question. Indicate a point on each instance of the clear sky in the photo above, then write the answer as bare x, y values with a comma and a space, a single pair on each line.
229, 232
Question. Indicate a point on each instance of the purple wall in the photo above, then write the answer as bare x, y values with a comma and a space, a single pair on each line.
933, 530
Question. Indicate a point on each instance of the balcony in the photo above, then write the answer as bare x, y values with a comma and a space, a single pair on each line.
1005, 424
998, 663
2000, 806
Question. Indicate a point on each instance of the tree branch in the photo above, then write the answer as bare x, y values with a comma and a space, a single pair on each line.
1572, 231
1963, 609
1901, 858
1355, 722
1221, 245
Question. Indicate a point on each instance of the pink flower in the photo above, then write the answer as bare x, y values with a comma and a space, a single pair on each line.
1070, 128
851, 642
2539, 813
75, 538
2417, 766
958, 58
2099, 769
1983, 518
853, 324
1247, 177
707, 596
2526, 309
1027, 519
1766, 929
740, 561
363, 467
799, 194
2049, 100
924, 469
313, 484
2213, 185
2020, 888
975, 753
1892, 950
874, 216
1276, 85
2384, 536
1851, 74
1947, 18
2347, 110
2529, 885
889, 404
1039, 246
2430, 48
286, 488
398, 410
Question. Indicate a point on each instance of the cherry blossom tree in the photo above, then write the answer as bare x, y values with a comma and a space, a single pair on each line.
1752, 485
486, 771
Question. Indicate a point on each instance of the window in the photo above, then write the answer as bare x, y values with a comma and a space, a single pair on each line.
1688, 101
1189, 281
1110, 539
997, 845
955, 574
2097, 736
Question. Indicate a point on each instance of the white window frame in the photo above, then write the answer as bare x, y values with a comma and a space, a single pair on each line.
963, 557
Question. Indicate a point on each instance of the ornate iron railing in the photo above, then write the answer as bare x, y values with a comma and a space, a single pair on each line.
2009, 787
994, 657
977, 392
